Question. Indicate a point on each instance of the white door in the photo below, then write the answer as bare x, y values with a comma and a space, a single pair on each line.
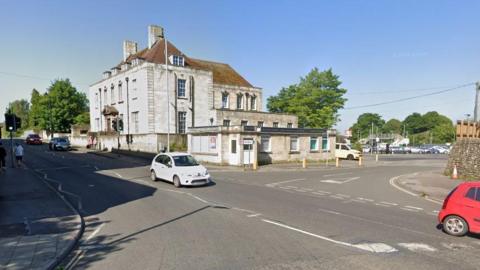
233, 152
248, 151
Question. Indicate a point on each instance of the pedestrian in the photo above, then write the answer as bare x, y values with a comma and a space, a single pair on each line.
19, 154
3, 155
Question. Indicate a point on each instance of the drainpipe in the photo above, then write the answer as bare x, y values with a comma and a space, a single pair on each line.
128, 116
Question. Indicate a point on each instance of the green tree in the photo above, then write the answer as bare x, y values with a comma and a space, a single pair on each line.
21, 108
61, 105
36, 110
363, 126
83, 118
393, 126
315, 100
414, 123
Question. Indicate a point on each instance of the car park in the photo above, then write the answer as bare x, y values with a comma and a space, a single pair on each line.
179, 168
33, 139
59, 144
460, 212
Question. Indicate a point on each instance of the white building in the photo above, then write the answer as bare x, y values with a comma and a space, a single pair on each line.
201, 93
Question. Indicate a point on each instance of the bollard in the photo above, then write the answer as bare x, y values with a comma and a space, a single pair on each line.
337, 162
376, 158
255, 165
360, 161
304, 163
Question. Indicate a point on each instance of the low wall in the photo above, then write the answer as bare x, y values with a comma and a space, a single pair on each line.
465, 154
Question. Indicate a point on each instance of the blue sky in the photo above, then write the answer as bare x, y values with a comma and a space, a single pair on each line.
384, 47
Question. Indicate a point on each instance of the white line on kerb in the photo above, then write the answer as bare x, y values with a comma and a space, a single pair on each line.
373, 247
97, 230
392, 182
254, 215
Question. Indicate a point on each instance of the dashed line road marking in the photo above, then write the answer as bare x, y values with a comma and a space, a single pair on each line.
384, 205
389, 203
343, 195
363, 199
283, 182
409, 209
337, 197
413, 207
417, 247
317, 193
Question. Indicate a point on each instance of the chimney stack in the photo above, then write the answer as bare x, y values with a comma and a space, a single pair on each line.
154, 34
129, 48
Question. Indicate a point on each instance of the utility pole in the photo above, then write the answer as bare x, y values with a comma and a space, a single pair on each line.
476, 114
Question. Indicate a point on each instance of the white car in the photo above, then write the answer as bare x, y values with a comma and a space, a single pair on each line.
342, 150
179, 168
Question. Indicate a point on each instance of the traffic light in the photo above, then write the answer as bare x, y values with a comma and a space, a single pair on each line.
12, 122
18, 122
114, 124
120, 124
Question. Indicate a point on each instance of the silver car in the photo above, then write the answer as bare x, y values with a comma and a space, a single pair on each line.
59, 144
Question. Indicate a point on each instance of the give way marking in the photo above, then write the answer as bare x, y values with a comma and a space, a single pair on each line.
341, 181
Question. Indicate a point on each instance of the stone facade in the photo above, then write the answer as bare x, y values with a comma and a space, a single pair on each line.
253, 118
465, 154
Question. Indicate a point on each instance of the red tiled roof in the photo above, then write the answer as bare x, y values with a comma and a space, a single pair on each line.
222, 73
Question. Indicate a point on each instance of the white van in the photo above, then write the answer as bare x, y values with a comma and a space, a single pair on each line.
342, 150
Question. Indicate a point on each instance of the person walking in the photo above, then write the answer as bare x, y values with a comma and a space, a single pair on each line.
19, 154
3, 155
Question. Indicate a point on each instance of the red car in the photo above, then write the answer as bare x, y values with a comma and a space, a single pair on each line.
460, 212
33, 139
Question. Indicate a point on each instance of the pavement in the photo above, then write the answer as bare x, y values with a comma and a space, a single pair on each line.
37, 227
318, 218
429, 184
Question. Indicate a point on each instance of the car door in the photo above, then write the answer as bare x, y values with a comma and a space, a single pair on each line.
159, 166
470, 204
168, 170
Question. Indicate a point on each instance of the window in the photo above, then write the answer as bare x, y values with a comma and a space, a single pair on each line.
289, 125
226, 122
105, 96
120, 94
260, 124
178, 60
313, 143
239, 101
253, 103
181, 122
233, 147
265, 144
293, 144
135, 121
134, 88
244, 123
325, 145
181, 87
97, 123
96, 100
275, 124
477, 197
224, 100
344, 147
112, 92
120, 122
471, 193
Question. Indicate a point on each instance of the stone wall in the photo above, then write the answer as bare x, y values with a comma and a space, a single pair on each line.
466, 155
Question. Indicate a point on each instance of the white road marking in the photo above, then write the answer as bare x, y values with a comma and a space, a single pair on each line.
284, 187
332, 212
363, 199
117, 174
336, 174
331, 181
317, 193
435, 211
97, 230
343, 195
408, 209
393, 184
389, 203
374, 247
307, 189
455, 246
413, 207
337, 197
282, 182
322, 191
355, 200
254, 215
292, 187
384, 205
417, 247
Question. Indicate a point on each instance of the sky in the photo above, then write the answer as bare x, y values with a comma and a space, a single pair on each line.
381, 50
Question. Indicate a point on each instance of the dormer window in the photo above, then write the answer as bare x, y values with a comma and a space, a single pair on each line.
177, 60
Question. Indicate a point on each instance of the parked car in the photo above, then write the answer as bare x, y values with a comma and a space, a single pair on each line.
460, 212
342, 150
59, 144
33, 139
179, 168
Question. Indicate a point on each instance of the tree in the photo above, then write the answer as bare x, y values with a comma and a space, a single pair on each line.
363, 126
82, 119
37, 107
315, 100
393, 126
21, 108
64, 103
414, 123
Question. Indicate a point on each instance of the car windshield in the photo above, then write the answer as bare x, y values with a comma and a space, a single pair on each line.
183, 161
62, 140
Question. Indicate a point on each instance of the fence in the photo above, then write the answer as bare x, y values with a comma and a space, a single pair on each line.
468, 129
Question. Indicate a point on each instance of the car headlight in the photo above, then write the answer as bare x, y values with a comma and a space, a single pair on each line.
206, 172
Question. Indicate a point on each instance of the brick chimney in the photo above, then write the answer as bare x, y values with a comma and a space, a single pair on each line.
154, 33
129, 48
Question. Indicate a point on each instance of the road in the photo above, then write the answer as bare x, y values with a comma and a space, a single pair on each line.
325, 218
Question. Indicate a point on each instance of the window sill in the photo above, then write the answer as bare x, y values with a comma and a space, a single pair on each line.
182, 98
135, 98
120, 102
114, 103
294, 152
265, 152
314, 151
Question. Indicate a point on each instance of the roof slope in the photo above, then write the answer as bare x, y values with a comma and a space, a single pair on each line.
222, 73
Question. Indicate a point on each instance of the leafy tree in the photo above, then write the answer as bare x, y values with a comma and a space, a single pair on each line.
414, 123
21, 108
363, 126
393, 126
37, 107
315, 100
443, 133
83, 118
64, 103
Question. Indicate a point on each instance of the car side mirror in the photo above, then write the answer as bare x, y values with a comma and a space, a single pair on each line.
169, 164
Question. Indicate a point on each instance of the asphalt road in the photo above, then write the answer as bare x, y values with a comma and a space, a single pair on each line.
325, 218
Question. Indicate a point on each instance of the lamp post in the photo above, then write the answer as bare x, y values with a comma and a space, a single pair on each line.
168, 94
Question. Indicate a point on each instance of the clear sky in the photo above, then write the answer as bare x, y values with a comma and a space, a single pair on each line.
378, 48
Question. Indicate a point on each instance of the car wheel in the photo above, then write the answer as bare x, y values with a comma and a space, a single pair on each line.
350, 157
153, 176
455, 225
176, 181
